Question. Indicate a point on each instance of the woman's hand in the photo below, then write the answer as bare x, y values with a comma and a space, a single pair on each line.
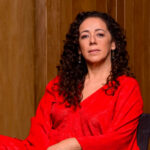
67, 144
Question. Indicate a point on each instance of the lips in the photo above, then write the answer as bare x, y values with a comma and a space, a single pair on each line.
93, 51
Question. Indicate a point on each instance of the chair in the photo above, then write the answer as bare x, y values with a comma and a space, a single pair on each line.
143, 132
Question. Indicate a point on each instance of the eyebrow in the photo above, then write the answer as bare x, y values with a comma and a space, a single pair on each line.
95, 30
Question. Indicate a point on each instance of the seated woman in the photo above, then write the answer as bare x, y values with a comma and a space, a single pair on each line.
94, 103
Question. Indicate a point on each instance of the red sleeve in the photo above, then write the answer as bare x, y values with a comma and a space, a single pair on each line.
123, 128
38, 138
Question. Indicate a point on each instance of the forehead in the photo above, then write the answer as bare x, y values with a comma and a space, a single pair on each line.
92, 23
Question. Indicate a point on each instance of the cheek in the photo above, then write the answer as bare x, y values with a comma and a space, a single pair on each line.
107, 44
82, 46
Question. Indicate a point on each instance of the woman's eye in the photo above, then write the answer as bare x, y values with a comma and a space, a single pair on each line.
84, 36
100, 34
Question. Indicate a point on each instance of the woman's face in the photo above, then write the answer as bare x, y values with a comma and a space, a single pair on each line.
95, 41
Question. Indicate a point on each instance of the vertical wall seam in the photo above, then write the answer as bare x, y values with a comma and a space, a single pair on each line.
116, 10
46, 4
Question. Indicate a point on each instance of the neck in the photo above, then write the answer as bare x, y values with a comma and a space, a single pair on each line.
98, 72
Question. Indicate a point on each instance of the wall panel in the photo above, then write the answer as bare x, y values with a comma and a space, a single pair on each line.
58, 20
146, 51
101, 5
120, 12
16, 67
139, 38
129, 28
84, 5
65, 19
137, 25
53, 37
112, 8
40, 52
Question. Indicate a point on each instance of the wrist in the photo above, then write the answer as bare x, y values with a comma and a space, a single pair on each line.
74, 144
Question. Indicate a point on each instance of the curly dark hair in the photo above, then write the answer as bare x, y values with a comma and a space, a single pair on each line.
72, 74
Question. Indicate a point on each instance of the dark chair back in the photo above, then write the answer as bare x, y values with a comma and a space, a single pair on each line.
143, 133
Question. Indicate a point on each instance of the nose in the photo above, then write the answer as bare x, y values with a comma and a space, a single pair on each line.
92, 39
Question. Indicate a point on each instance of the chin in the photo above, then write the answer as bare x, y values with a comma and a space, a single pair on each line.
97, 61
94, 62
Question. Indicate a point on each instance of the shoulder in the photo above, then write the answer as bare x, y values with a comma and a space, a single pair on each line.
53, 83
129, 87
128, 94
126, 81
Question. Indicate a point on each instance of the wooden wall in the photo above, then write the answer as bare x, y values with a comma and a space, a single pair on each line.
31, 41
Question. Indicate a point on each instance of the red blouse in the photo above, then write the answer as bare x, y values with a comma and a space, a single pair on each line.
101, 123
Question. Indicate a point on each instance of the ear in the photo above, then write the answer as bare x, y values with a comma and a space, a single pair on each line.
113, 45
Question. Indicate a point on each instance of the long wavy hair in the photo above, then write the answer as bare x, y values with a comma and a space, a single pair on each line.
72, 74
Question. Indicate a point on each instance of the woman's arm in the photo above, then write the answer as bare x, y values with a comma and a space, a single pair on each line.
38, 138
123, 127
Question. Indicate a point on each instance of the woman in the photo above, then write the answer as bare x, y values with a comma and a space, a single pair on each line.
94, 103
